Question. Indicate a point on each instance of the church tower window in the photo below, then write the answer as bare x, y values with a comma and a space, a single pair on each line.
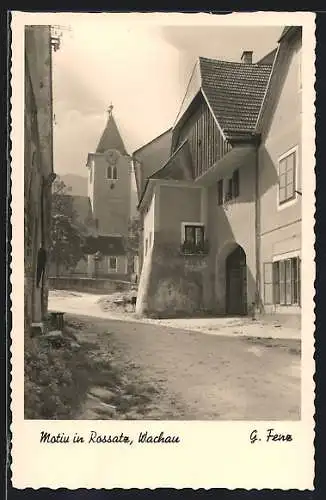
112, 172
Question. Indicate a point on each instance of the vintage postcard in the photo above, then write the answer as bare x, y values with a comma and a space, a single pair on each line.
163, 250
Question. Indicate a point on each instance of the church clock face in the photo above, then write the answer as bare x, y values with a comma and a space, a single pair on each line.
111, 157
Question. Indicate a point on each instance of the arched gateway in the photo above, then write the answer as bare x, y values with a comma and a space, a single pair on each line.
236, 282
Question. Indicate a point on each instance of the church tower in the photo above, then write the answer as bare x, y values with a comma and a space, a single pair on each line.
110, 193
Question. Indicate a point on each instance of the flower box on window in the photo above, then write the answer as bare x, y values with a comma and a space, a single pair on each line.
190, 248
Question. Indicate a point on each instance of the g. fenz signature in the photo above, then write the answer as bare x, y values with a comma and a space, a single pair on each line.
270, 436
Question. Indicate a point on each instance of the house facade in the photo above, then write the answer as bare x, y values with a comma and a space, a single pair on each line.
113, 200
280, 187
38, 170
210, 235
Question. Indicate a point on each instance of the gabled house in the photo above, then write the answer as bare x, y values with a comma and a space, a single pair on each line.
202, 208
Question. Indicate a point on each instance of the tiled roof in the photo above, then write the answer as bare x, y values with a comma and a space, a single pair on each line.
106, 245
235, 92
111, 138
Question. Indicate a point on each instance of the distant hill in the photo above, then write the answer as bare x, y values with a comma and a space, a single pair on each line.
77, 183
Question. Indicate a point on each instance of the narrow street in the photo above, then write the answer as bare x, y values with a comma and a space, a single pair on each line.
186, 374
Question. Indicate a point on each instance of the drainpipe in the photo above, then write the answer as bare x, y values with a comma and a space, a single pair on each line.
257, 304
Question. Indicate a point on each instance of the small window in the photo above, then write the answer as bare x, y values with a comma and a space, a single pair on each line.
286, 181
220, 192
194, 234
112, 264
146, 246
112, 172
229, 192
235, 184
193, 239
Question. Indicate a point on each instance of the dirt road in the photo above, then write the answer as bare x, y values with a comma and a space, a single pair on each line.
192, 376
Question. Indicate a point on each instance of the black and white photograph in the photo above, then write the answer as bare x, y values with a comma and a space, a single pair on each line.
168, 271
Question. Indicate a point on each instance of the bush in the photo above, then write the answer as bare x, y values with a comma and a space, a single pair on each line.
55, 380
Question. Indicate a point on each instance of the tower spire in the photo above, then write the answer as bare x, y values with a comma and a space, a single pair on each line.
111, 138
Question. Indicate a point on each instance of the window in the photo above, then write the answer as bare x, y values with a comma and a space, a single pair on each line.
286, 181
286, 282
146, 246
112, 264
194, 234
220, 192
235, 184
193, 239
228, 194
112, 172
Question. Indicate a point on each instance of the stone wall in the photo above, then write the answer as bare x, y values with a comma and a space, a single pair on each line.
172, 284
90, 285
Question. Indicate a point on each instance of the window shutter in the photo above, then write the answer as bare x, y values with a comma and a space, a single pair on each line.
268, 283
282, 283
276, 282
288, 282
220, 192
230, 190
236, 185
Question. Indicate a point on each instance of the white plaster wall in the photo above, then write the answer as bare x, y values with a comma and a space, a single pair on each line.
149, 228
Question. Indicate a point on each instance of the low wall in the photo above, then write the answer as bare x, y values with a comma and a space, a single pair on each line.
91, 285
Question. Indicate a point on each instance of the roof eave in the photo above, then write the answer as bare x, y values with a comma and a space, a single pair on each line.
266, 95
289, 32
178, 117
242, 137
147, 193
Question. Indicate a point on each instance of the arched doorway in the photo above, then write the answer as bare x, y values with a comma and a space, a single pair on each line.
236, 282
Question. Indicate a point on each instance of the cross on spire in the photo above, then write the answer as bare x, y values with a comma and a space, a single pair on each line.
110, 109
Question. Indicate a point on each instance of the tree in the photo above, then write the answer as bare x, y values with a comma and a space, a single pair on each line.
134, 235
133, 242
67, 234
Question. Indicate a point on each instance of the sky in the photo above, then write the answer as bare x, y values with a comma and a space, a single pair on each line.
141, 68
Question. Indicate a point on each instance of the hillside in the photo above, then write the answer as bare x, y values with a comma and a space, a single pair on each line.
77, 183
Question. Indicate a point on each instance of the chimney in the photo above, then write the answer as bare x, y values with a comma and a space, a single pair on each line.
246, 57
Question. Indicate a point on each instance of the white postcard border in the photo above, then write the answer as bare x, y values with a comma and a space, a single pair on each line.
211, 454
